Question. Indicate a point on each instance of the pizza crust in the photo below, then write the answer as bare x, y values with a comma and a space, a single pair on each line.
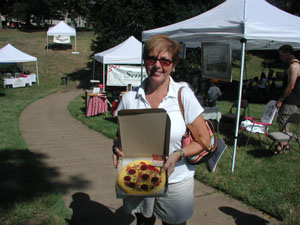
141, 178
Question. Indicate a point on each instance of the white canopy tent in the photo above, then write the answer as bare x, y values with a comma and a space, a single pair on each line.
61, 29
245, 24
9, 54
127, 52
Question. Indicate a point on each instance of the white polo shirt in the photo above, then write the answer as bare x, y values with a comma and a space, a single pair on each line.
136, 99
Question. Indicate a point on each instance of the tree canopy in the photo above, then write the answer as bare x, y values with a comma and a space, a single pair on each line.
115, 20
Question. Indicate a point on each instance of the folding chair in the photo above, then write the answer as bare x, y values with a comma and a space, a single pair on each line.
259, 126
287, 136
231, 115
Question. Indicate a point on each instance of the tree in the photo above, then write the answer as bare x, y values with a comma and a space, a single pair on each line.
5, 7
23, 10
291, 6
39, 10
114, 21
77, 8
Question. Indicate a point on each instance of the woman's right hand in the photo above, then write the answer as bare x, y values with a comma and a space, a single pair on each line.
116, 154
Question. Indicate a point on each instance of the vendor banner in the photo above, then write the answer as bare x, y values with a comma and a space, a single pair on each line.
118, 75
61, 39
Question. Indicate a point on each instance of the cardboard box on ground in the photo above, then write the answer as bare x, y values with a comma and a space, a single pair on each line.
144, 133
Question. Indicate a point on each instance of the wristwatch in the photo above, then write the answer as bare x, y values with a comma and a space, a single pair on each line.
181, 154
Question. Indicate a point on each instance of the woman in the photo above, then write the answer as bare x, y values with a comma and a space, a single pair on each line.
160, 91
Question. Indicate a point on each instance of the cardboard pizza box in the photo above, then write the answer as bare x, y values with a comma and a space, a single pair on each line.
144, 134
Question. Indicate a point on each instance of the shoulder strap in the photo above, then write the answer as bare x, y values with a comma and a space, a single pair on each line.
180, 103
190, 126
295, 61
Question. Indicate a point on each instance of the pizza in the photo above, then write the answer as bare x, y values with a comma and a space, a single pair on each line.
140, 177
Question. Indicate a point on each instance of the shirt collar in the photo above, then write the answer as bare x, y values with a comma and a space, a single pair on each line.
173, 89
172, 92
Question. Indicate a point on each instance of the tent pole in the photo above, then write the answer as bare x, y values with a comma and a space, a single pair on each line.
94, 69
103, 77
142, 65
37, 74
47, 43
237, 121
75, 43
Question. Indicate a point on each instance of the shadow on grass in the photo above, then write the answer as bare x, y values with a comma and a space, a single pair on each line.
83, 76
88, 212
227, 129
242, 218
112, 119
24, 176
260, 153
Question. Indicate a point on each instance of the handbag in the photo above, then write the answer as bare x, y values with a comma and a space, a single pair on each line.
191, 135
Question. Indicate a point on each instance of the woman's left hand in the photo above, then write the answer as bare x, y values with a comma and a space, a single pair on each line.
170, 163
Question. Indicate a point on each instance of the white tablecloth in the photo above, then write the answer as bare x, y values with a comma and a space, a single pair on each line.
21, 81
212, 113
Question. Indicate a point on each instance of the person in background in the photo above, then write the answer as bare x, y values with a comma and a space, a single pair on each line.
159, 90
290, 97
213, 93
262, 86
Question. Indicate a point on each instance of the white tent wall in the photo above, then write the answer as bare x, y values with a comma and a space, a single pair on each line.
127, 52
61, 29
9, 54
245, 24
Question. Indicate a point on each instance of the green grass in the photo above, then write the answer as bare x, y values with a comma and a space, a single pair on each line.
260, 179
26, 195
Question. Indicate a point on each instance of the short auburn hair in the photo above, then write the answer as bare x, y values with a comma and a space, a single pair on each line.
162, 42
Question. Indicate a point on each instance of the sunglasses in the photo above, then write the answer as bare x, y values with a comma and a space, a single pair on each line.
163, 62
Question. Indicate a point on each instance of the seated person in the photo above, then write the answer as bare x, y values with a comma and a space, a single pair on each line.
213, 93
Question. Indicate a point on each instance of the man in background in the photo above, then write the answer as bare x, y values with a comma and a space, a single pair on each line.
213, 93
289, 100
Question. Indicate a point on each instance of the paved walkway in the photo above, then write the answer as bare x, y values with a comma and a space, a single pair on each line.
81, 169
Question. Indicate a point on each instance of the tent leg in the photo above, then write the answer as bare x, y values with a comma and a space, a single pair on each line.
239, 103
94, 69
37, 74
142, 66
103, 77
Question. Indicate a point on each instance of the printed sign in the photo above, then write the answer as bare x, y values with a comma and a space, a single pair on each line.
62, 39
216, 61
118, 75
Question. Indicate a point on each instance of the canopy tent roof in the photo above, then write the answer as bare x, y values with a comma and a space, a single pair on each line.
128, 52
9, 54
61, 29
263, 26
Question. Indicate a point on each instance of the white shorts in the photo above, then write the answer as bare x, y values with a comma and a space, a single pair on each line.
175, 208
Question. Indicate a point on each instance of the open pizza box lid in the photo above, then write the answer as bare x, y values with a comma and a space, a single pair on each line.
144, 134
